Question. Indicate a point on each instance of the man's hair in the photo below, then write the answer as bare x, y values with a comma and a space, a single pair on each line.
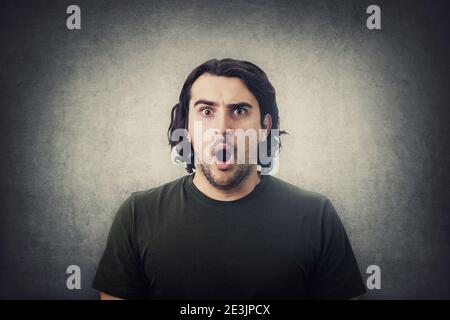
257, 83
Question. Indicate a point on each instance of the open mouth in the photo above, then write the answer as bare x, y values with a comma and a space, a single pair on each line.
223, 156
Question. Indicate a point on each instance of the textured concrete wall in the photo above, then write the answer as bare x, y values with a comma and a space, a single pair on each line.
84, 115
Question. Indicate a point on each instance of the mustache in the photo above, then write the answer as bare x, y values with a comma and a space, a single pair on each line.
221, 142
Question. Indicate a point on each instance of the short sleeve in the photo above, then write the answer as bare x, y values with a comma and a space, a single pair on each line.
336, 274
120, 271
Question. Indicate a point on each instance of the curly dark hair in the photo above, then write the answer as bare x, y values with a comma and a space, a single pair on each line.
256, 81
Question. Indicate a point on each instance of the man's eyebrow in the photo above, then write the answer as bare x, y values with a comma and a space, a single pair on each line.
231, 105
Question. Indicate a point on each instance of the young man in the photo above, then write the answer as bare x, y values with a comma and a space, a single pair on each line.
226, 230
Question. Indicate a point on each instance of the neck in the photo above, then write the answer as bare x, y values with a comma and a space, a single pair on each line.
240, 191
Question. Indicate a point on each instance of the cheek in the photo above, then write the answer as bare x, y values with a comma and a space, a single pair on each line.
200, 140
254, 125
255, 120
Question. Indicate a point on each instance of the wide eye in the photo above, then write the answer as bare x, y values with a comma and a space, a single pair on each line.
206, 111
239, 111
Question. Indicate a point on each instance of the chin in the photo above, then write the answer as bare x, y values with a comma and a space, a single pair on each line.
223, 177
225, 174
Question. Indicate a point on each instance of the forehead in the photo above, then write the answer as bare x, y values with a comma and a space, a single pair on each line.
221, 89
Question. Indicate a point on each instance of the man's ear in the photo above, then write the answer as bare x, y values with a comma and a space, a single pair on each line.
266, 126
188, 136
188, 133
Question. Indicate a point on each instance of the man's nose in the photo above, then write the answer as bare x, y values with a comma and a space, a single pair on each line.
223, 123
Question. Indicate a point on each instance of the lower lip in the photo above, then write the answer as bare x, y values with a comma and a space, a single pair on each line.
223, 165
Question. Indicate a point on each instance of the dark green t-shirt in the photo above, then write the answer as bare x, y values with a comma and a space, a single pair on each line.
278, 242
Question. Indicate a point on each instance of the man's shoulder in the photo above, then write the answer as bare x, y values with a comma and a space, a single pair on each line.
167, 189
313, 205
296, 191
289, 192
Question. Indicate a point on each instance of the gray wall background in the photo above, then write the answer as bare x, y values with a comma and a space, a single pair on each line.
84, 115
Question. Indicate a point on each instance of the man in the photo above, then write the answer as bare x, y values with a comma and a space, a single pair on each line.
227, 230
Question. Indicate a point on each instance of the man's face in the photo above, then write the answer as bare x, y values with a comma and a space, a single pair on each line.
218, 107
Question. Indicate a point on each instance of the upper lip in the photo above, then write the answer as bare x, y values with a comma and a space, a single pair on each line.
222, 145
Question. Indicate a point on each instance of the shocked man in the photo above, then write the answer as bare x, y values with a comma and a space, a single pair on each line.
227, 229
